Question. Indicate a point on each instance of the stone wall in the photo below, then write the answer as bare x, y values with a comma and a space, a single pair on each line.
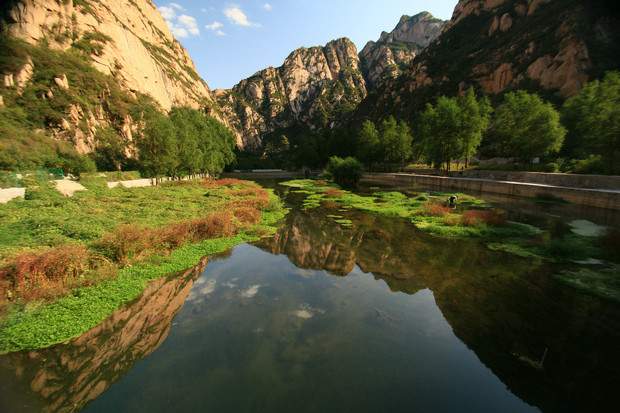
588, 197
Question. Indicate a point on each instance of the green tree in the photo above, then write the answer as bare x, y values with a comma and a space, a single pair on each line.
475, 117
110, 149
526, 127
440, 132
187, 125
345, 172
593, 121
369, 144
396, 141
157, 146
217, 144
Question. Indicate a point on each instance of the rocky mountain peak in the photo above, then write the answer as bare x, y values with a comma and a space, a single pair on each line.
312, 83
394, 51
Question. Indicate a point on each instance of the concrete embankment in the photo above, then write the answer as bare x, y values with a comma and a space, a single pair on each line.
600, 198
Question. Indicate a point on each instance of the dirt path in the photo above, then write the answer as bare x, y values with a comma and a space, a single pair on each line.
11, 193
68, 187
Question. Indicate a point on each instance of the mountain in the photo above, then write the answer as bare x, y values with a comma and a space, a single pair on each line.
134, 43
70, 68
393, 52
552, 47
313, 87
319, 87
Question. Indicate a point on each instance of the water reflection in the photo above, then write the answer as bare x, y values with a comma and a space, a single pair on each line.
66, 377
377, 317
554, 347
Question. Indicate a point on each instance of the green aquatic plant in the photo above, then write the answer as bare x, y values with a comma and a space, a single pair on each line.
473, 218
603, 282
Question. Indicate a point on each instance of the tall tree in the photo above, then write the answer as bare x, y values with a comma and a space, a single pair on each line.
110, 153
440, 132
157, 145
369, 144
396, 141
187, 123
526, 127
475, 117
593, 121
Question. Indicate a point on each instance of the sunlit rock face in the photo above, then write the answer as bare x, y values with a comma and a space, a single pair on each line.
68, 376
317, 87
311, 85
143, 54
128, 40
393, 52
550, 47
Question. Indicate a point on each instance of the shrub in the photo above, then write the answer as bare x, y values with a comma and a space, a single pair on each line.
52, 268
345, 172
476, 217
436, 210
334, 192
127, 242
216, 183
218, 224
247, 215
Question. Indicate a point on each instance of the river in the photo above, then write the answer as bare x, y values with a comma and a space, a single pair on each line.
378, 317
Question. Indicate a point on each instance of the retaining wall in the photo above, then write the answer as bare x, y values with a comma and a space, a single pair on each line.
565, 180
609, 199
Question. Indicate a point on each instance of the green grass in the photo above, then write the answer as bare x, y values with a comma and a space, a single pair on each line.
46, 218
50, 219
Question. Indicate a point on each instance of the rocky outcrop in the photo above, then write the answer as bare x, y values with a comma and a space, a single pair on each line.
135, 44
311, 86
387, 57
318, 87
545, 46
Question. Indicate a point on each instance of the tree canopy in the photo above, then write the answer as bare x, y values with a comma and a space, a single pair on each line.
526, 127
593, 121
453, 128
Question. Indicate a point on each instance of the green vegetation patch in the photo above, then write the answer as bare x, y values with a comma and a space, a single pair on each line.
44, 325
473, 218
46, 218
604, 283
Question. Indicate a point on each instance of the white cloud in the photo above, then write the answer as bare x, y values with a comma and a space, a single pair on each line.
238, 17
167, 13
189, 23
267, 7
214, 26
182, 25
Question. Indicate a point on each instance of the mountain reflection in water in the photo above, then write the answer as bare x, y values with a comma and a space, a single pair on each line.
553, 347
300, 324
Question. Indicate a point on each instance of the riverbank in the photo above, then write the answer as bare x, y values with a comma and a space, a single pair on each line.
68, 263
591, 197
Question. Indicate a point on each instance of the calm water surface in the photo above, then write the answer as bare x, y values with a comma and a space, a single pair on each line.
375, 318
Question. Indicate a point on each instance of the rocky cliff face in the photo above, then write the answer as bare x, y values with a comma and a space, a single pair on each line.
317, 87
126, 41
393, 52
135, 43
312, 86
549, 46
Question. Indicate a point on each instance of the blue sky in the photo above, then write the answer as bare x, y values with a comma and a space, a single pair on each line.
230, 41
